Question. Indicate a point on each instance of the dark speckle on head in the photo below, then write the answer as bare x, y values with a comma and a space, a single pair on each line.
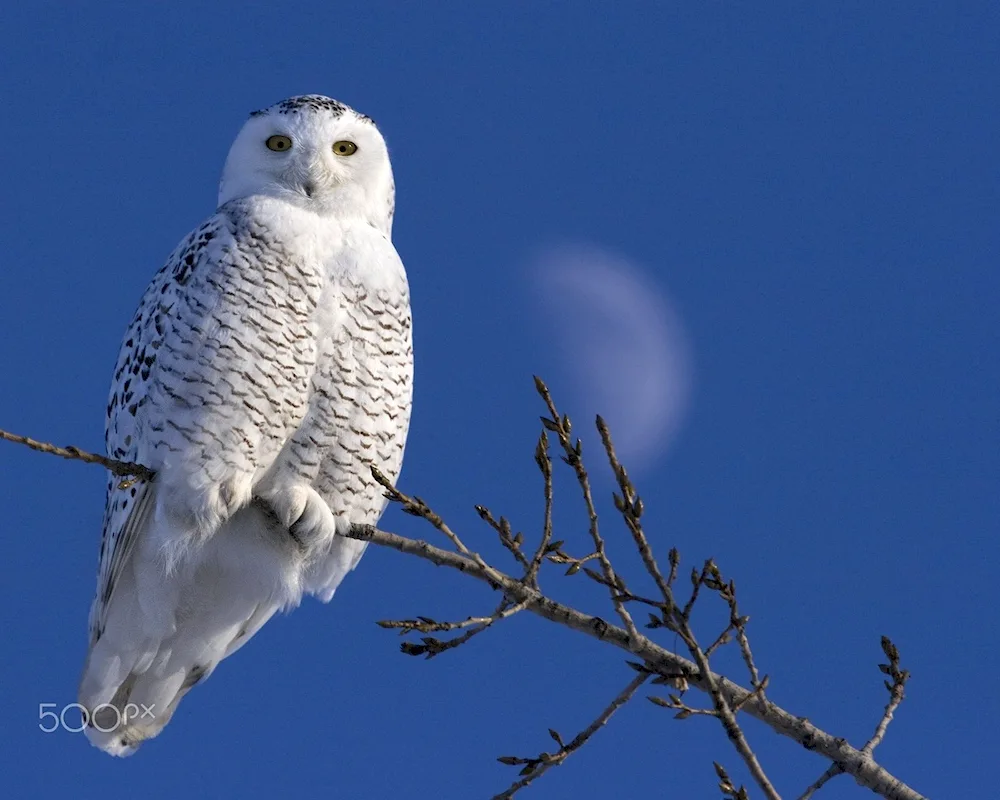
307, 102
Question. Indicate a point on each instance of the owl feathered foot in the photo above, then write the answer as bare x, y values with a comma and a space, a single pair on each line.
302, 512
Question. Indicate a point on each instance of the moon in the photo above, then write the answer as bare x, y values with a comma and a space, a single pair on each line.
621, 344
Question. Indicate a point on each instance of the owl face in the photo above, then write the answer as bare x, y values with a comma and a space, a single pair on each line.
315, 152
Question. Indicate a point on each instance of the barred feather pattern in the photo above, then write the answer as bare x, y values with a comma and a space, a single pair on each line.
268, 367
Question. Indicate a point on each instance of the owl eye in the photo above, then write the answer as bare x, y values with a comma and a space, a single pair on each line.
278, 143
344, 148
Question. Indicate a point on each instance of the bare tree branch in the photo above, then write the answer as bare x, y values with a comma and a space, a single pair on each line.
562, 427
896, 694
653, 660
725, 709
122, 469
865, 770
431, 646
544, 462
536, 767
418, 508
507, 537
631, 508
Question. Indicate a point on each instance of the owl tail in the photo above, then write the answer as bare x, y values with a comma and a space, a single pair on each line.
166, 630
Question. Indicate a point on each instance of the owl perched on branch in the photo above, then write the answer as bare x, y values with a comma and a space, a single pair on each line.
268, 367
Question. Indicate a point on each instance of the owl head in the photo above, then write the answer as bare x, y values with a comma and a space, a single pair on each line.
317, 153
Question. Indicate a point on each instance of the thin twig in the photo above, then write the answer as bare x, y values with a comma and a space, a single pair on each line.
820, 782
683, 710
418, 508
629, 597
544, 462
631, 508
738, 623
744, 642
675, 561
428, 625
725, 712
896, 693
536, 767
726, 785
432, 646
756, 695
123, 469
557, 555
723, 638
726, 709
697, 580
561, 426
502, 528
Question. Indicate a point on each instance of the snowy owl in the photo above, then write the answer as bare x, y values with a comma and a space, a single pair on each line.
268, 367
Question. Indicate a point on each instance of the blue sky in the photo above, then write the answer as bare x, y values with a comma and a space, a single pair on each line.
813, 192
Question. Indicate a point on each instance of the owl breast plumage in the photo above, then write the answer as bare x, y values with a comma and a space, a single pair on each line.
267, 369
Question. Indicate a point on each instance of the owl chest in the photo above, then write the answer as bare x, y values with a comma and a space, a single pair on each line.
361, 392
364, 351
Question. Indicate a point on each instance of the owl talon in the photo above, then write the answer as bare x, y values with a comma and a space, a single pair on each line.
304, 514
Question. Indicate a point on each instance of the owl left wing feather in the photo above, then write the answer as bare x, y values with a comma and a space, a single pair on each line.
129, 502
212, 375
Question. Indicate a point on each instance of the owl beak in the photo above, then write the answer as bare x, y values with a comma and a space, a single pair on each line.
309, 188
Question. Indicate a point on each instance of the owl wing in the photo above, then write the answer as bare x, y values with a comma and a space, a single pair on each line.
212, 374
128, 502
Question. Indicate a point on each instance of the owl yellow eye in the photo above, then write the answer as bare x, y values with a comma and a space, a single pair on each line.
278, 143
344, 148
